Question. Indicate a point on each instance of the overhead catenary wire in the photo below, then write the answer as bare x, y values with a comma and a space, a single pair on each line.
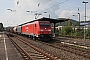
20, 6
53, 6
39, 4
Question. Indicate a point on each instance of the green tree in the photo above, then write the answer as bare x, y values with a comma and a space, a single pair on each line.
67, 30
79, 32
88, 33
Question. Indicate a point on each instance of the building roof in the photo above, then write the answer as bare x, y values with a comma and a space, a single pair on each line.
46, 19
85, 23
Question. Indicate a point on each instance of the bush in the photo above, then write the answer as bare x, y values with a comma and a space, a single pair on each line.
67, 30
88, 32
79, 32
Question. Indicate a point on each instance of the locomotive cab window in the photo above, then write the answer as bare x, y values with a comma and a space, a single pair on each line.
47, 25
44, 25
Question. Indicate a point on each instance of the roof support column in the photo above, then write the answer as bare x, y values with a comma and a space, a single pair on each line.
54, 30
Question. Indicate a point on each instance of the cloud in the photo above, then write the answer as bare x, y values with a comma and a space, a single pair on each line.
66, 14
32, 6
19, 14
69, 14
88, 14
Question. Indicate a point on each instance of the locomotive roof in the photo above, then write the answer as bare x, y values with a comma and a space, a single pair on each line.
47, 19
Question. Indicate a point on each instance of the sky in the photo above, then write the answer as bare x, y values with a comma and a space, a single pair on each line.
14, 12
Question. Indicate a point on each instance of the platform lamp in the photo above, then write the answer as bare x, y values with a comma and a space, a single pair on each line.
85, 21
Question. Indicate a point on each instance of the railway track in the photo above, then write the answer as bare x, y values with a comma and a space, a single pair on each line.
77, 37
75, 42
29, 52
69, 48
72, 49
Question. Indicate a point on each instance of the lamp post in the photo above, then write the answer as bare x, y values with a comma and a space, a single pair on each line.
85, 21
79, 20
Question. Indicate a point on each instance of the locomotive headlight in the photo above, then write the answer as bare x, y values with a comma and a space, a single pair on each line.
49, 30
41, 30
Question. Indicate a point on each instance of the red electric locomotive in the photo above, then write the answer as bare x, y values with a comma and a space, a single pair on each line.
38, 29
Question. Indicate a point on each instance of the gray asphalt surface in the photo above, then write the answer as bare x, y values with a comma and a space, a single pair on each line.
7, 49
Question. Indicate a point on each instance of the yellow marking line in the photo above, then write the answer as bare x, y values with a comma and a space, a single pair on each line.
76, 45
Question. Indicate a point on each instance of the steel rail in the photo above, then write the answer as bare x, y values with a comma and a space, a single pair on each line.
42, 52
20, 49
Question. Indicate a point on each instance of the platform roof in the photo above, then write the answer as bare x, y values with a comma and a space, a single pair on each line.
47, 19
51, 20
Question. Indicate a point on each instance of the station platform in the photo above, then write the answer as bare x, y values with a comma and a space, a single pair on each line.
7, 49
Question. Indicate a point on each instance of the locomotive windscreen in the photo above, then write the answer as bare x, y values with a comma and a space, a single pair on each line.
44, 25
